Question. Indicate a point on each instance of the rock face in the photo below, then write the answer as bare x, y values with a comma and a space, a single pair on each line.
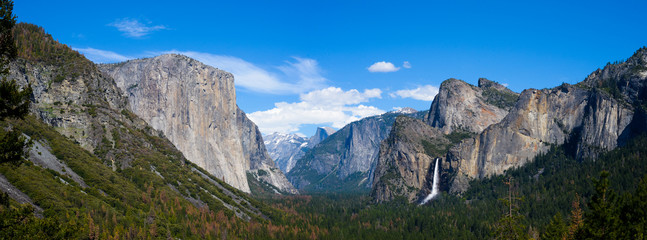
321, 134
460, 110
597, 115
258, 160
194, 105
461, 106
345, 160
589, 118
406, 159
77, 106
76, 99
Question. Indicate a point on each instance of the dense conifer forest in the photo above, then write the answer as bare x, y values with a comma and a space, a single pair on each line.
554, 196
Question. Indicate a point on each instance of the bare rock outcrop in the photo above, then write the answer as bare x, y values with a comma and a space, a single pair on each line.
594, 116
405, 160
194, 105
462, 106
346, 159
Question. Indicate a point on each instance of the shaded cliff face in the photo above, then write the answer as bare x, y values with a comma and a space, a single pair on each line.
461, 106
594, 116
258, 160
406, 159
345, 160
321, 134
194, 105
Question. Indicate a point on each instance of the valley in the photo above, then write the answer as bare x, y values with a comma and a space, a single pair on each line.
158, 147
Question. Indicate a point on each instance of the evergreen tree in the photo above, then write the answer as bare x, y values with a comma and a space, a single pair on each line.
14, 103
576, 218
601, 221
633, 215
556, 229
7, 47
510, 226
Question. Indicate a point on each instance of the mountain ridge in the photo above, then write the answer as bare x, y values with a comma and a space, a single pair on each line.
345, 161
592, 117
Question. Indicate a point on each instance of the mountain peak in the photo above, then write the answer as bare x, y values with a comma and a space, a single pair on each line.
460, 105
623, 80
321, 134
405, 110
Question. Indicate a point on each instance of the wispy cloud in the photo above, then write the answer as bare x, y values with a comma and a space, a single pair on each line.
383, 67
295, 77
135, 29
325, 106
423, 93
102, 56
406, 64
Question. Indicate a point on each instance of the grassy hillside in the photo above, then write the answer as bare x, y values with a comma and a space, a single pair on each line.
160, 194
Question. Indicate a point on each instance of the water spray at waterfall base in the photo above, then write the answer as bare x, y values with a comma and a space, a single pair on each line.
434, 188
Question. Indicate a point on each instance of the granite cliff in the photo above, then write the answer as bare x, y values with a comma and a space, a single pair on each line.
346, 159
321, 134
459, 110
83, 131
462, 106
405, 159
594, 116
194, 106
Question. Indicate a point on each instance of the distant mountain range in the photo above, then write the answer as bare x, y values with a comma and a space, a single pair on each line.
286, 149
477, 131
345, 160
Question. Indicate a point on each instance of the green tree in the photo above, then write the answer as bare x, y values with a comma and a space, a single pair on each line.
14, 103
602, 220
7, 47
511, 225
633, 215
556, 229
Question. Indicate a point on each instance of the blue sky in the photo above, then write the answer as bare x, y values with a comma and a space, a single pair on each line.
302, 64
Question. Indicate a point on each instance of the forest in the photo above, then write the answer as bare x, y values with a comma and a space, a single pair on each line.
161, 195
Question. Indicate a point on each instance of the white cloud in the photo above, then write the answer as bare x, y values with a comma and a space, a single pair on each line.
133, 28
505, 84
406, 64
325, 106
333, 96
293, 78
424, 93
102, 56
383, 67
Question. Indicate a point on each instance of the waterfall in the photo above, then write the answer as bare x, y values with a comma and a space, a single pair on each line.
434, 188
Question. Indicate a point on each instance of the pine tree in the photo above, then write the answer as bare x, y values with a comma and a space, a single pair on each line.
14, 103
633, 214
556, 229
510, 226
576, 218
601, 221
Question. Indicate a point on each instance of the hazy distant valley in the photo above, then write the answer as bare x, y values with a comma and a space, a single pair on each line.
158, 148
